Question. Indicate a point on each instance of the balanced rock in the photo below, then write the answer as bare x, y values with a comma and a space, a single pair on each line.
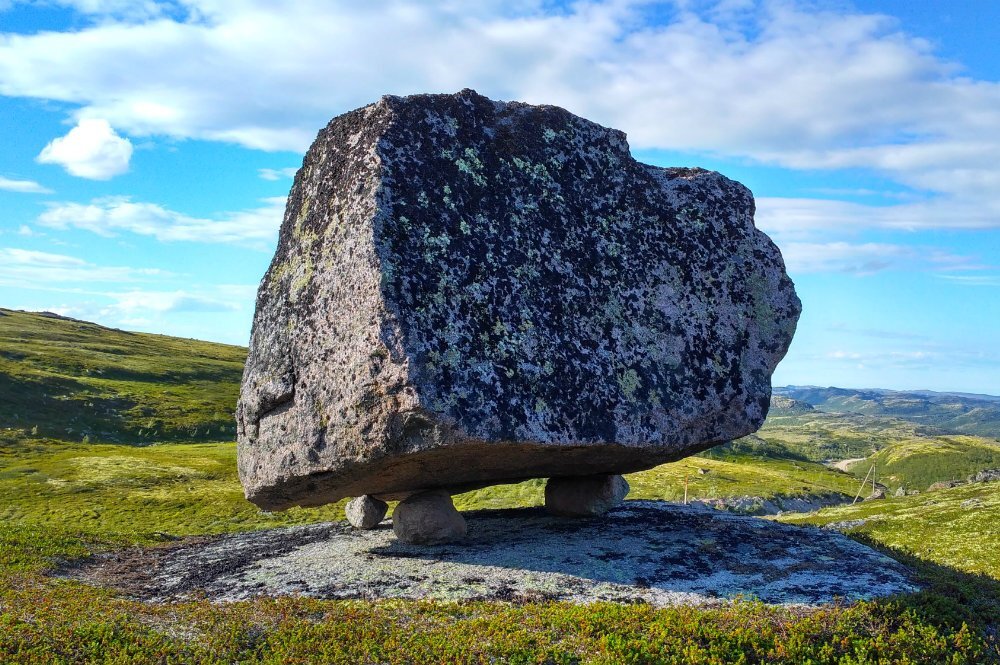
468, 292
428, 518
365, 512
584, 496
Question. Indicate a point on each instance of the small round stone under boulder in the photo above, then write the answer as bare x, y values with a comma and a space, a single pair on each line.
428, 518
584, 496
365, 512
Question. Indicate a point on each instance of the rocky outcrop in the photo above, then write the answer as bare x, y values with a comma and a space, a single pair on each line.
790, 405
659, 553
985, 476
585, 496
468, 292
774, 505
944, 485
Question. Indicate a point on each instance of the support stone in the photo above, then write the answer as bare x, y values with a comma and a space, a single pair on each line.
584, 496
428, 518
365, 512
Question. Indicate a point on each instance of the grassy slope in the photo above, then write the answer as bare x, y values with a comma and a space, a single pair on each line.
918, 463
113, 492
959, 527
71, 379
129, 493
66, 500
731, 477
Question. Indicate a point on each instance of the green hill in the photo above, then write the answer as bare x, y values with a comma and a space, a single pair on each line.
959, 527
69, 379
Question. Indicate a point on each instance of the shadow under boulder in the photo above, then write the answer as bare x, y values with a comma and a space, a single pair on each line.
642, 551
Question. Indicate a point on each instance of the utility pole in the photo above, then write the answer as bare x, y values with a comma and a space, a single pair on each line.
863, 482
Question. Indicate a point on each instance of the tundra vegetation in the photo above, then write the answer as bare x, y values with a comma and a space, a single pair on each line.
159, 464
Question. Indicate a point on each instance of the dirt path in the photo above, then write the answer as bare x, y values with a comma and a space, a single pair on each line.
845, 464
645, 551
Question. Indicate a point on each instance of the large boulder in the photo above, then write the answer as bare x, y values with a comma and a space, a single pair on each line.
468, 292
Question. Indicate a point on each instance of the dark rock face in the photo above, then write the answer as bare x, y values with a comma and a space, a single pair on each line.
468, 292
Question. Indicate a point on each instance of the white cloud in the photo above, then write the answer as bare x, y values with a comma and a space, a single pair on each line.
798, 218
277, 174
727, 77
22, 186
724, 78
31, 269
870, 257
844, 355
162, 302
91, 150
257, 227
973, 280
133, 10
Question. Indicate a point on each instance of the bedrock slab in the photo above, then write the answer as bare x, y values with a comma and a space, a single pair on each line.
468, 292
662, 554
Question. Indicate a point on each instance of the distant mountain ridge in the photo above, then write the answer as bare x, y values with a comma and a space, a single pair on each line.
958, 413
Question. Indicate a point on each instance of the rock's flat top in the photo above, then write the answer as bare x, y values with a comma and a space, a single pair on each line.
659, 553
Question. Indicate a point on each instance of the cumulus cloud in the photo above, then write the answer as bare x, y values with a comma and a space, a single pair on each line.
163, 302
798, 218
870, 257
128, 296
22, 186
277, 174
109, 216
90, 150
720, 76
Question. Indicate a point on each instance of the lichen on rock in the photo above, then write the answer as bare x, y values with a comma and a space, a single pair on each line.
468, 292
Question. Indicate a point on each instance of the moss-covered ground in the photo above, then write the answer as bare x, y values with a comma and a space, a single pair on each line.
62, 501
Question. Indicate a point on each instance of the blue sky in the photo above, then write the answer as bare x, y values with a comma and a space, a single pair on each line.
148, 147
